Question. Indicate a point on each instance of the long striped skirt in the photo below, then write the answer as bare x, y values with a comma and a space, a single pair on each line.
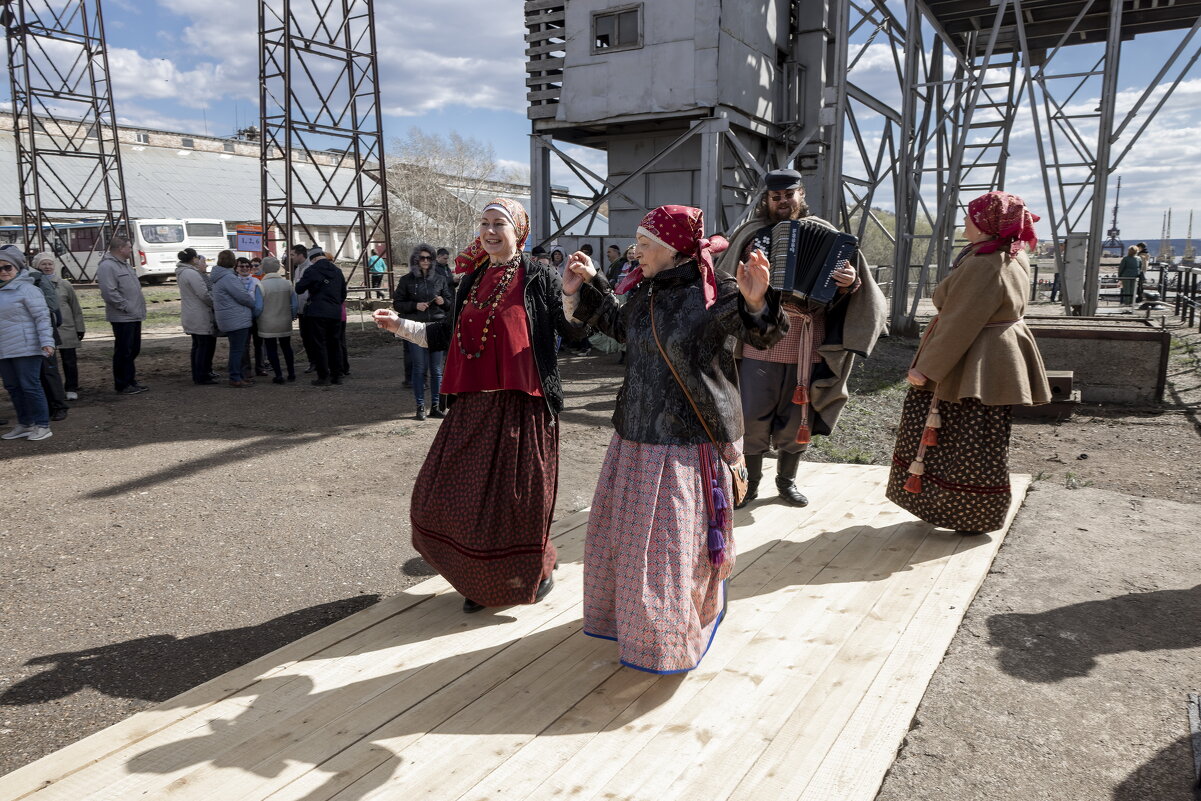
966, 481
484, 499
649, 582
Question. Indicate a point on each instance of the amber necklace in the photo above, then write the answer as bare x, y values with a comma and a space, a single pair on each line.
492, 302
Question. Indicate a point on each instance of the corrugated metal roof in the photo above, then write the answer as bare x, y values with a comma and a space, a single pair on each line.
165, 183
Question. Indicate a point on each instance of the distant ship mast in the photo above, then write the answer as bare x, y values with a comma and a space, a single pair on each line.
1114, 242
1166, 251
1190, 252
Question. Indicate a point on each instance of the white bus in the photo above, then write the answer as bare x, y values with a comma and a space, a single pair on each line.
156, 246
207, 237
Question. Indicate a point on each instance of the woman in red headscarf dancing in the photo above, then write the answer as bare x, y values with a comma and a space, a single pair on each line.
659, 545
484, 499
976, 360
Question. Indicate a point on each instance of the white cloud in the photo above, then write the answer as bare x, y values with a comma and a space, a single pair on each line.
431, 56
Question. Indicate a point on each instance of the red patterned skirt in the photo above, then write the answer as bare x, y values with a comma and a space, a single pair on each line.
966, 482
484, 499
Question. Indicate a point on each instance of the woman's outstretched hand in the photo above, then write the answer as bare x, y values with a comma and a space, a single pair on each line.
579, 269
387, 320
754, 277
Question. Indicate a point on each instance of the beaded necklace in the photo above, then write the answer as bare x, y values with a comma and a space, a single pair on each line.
491, 303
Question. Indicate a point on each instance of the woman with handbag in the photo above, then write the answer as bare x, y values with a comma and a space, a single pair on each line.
659, 545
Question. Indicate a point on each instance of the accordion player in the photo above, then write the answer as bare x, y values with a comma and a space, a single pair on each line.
804, 256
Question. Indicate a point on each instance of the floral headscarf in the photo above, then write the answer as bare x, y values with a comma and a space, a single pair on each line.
1006, 218
474, 256
682, 228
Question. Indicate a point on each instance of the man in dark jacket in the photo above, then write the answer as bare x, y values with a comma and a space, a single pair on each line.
326, 288
425, 296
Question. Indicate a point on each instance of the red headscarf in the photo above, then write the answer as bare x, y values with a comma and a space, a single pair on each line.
1006, 218
682, 228
475, 256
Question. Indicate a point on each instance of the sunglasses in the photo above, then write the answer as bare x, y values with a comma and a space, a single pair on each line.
7, 267
425, 258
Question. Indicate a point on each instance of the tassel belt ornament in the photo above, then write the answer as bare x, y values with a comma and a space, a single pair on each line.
804, 369
716, 503
917, 468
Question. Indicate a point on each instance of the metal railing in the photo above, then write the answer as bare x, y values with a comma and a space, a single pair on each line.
1187, 290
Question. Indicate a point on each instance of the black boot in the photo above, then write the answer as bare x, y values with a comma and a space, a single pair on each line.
754, 472
786, 465
420, 413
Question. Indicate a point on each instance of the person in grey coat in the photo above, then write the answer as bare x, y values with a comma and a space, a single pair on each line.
26, 340
234, 309
280, 306
196, 313
44, 272
125, 309
70, 329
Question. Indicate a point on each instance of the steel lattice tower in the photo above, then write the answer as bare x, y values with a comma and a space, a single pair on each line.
320, 92
68, 160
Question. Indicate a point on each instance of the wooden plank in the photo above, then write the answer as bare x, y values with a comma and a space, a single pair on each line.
353, 763
796, 647
762, 586
421, 664
838, 614
233, 689
857, 764
536, 65
818, 702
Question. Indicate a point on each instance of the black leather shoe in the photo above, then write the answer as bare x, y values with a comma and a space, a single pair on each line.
544, 587
436, 413
789, 492
420, 413
786, 467
470, 606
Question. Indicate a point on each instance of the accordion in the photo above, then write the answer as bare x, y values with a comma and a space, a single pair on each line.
804, 256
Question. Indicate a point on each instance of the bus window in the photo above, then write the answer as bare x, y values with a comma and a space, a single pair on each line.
205, 229
162, 234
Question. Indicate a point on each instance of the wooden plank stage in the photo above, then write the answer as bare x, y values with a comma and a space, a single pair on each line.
839, 614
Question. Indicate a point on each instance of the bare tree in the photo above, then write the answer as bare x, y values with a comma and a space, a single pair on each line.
437, 185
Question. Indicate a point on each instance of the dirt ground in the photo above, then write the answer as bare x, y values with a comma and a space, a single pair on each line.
159, 540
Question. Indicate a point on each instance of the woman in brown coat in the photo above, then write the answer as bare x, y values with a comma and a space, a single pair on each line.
977, 359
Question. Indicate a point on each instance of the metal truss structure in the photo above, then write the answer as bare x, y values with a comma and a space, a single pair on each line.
970, 75
68, 160
320, 92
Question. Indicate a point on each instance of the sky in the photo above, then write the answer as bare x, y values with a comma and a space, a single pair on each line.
458, 65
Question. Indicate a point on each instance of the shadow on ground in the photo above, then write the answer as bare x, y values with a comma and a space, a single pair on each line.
1065, 643
161, 666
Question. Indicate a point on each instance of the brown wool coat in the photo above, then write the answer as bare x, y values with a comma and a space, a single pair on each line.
966, 358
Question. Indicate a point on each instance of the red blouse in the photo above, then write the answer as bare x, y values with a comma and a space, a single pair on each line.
507, 361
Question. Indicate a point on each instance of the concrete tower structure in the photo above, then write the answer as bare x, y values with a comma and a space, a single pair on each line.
690, 100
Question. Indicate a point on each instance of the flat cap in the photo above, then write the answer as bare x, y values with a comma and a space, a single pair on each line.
778, 180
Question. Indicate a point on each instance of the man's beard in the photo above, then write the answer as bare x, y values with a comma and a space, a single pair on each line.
791, 212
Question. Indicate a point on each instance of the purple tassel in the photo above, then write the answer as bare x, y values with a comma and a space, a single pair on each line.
719, 497
717, 544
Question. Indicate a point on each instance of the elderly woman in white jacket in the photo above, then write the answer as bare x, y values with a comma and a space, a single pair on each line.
26, 338
196, 314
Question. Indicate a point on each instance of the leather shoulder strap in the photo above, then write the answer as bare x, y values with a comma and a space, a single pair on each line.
670, 366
